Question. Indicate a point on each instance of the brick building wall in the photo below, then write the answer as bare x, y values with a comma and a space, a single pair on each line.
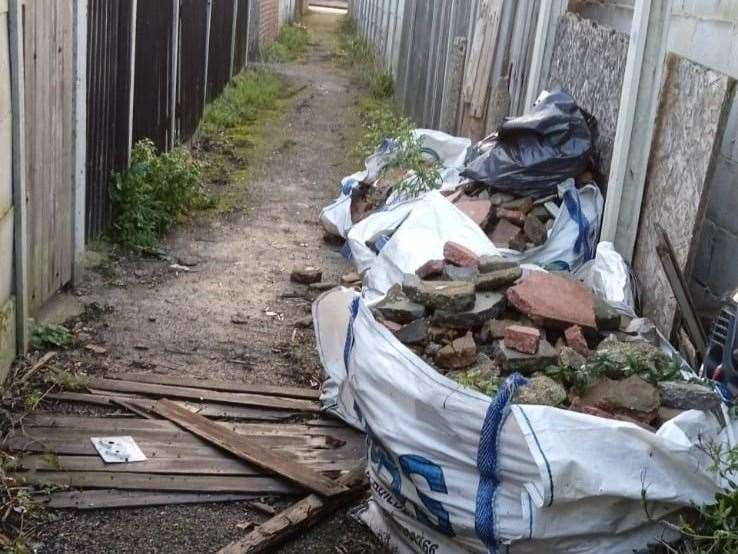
268, 21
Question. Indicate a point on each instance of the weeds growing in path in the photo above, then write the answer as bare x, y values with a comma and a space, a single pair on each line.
155, 191
290, 45
359, 54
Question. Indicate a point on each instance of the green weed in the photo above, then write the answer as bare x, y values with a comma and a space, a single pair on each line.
153, 194
243, 101
361, 57
289, 46
48, 335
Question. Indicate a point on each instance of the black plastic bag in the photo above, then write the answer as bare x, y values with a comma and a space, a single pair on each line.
531, 154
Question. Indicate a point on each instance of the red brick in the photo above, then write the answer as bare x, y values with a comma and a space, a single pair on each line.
523, 339
503, 233
459, 255
476, 209
514, 216
554, 300
431, 268
576, 341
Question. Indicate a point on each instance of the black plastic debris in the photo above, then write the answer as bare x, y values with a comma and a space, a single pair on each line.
531, 154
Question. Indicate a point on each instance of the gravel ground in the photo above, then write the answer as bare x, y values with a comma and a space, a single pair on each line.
180, 323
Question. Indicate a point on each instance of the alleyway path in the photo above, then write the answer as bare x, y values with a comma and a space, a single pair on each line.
180, 323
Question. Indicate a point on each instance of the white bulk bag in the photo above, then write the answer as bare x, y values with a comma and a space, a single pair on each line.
451, 152
453, 470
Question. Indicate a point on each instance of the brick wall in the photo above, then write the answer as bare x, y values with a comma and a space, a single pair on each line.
268, 21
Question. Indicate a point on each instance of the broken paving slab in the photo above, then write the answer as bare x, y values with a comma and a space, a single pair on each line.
511, 360
487, 306
535, 230
488, 264
557, 301
632, 397
497, 279
444, 295
400, 310
503, 233
455, 273
476, 209
413, 333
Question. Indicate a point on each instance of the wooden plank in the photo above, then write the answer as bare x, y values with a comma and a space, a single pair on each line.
679, 287
219, 465
247, 449
113, 498
239, 399
224, 386
135, 481
298, 517
639, 102
207, 409
131, 408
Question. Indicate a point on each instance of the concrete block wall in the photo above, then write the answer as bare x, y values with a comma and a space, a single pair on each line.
715, 270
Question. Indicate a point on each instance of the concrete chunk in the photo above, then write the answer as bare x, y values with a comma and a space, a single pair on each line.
498, 279
510, 360
487, 306
445, 295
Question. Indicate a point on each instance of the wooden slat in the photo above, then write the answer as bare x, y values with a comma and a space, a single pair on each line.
135, 481
240, 399
113, 498
297, 517
224, 386
207, 409
169, 466
247, 449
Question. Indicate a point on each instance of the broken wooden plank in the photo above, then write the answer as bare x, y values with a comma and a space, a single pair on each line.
248, 449
237, 398
137, 481
223, 386
680, 289
298, 517
113, 498
207, 409
199, 465
127, 405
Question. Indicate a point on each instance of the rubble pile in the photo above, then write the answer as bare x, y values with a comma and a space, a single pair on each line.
478, 320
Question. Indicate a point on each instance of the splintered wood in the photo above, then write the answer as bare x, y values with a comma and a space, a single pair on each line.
273, 445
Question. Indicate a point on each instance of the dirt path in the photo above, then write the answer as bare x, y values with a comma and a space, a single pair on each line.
181, 322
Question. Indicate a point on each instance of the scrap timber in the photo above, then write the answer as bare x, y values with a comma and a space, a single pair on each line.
214, 441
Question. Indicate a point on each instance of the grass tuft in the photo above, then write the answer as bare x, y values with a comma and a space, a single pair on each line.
290, 45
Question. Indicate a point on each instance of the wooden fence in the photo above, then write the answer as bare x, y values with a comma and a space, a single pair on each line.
80, 82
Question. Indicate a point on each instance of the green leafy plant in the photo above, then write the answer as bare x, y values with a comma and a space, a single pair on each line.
32, 399
479, 380
49, 335
421, 165
156, 190
291, 43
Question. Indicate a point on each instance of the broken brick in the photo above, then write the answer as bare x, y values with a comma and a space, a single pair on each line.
476, 209
431, 268
459, 354
459, 255
503, 233
575, 340
522, 339
513, 216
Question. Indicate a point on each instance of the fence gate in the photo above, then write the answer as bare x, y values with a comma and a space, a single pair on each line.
7, 312
108, 107
49, 75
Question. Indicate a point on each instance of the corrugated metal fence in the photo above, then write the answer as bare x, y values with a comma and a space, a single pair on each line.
459, 65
